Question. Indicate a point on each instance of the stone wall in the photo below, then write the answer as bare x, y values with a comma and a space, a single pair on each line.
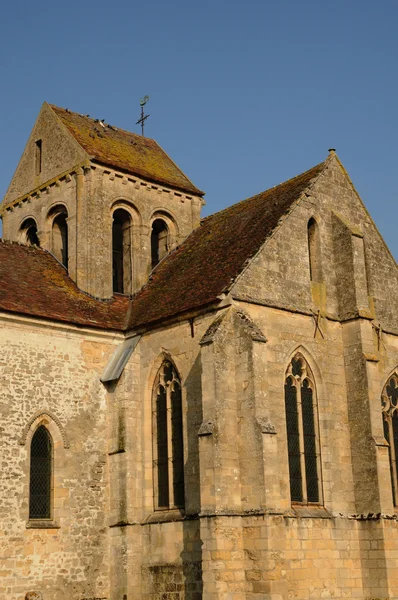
50, 375
240, 525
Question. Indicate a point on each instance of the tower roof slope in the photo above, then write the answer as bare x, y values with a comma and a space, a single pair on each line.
122, 149
32, 282
211, 258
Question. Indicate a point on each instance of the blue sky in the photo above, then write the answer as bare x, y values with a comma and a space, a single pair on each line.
243, 95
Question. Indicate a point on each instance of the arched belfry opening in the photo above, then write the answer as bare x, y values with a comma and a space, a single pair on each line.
59, 234
159, 241
29, 232
314, 251
121, 251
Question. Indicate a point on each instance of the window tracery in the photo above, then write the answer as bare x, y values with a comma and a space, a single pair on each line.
40, 483
168, 448
389, 405
302, 433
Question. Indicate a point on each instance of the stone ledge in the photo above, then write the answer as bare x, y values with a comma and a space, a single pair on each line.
166, 516
42, 524
309, 512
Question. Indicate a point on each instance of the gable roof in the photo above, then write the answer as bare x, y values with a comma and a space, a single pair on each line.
194, 275
124, 150
214, 254
33, 282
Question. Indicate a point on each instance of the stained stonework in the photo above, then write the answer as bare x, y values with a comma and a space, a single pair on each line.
91, 380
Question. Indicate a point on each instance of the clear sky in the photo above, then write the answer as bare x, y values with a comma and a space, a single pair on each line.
243, 94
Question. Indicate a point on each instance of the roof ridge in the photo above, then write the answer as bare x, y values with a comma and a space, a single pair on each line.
124, 150
108, 125
323, 163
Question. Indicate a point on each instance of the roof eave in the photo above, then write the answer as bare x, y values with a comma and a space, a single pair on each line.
190, 191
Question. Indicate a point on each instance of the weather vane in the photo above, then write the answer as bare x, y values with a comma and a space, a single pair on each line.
143, 118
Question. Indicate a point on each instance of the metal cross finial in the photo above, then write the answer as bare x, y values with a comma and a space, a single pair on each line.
143, 118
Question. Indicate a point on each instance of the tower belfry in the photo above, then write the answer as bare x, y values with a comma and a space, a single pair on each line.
68, 156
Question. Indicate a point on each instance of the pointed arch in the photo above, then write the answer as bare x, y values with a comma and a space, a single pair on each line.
51, 421
389, 408
41, 474
167, 437
302, 427
312, 364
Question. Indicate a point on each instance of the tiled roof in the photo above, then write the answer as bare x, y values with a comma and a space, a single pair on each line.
211, 258
124, 150
32, 282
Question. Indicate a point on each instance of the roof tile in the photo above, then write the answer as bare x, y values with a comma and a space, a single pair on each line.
33, 282
211, 258
125, 150
194, 275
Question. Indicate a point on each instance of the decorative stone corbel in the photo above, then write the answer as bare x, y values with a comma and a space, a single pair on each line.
266, 426
207, 428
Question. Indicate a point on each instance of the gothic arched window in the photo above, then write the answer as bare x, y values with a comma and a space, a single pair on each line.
389, 404
159, 241
302, 433
40, 484
314, 251
121, 251
168, 445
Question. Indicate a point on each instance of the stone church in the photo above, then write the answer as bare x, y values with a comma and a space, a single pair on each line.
192, 408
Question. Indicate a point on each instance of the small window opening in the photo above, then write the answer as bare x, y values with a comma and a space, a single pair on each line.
314, 250
159, 241
121, 251
29, 228
38, 156
41, 452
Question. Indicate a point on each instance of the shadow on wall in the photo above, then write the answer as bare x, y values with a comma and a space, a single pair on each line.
191, 555
182, 579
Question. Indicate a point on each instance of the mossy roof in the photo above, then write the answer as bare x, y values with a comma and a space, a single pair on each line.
193, 276
211, 258
124, 150
33, 282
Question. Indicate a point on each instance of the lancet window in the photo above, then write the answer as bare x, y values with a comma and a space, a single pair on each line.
40, 485
168, 446
302, 433
314, 251
38, 156
389, 404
